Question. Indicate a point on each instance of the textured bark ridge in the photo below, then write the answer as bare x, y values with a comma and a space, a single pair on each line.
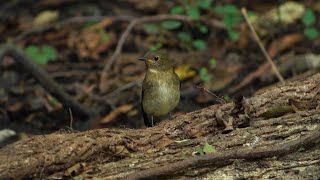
121, 153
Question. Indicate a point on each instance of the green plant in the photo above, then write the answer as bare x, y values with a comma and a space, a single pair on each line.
156, 46
41, 55
206, 149
227, 98
187, 41
309, 19
199, 44
204, 4
171, 24
151, 28
213, 62
105, 36
231, 16
204, 74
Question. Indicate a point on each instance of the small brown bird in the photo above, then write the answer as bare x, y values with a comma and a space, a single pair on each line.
160, 87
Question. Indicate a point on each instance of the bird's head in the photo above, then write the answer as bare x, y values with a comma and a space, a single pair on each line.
157, 60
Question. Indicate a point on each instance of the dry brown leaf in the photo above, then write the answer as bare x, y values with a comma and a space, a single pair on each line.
184, 71
15, 107
52, 104
284, 43
163, 142
116, 112
250, 77
75, 169
276, 47
222, 77
101, 25
91, 43
119, 151
45, 17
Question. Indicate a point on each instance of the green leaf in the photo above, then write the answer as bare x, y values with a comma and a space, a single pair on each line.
237, 19
199, 44
203, 28
105, 37
54, 102
156, 46
308, 18
230, 20
204, 4
193, 12
227, 98
213, 61
231, 9
227, 9
177, 10
204, 74
311, 33
32, 51
184, 36
233, 35
151, 28
227, 21
199, 150
252, 16
89, 24
49, 53
171, 24
207, 148
41, 55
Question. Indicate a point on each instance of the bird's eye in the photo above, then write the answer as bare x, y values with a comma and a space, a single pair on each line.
156, 58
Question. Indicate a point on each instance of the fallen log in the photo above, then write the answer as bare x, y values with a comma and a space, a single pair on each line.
269, 146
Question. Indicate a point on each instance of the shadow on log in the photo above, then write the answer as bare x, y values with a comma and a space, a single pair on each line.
160, 151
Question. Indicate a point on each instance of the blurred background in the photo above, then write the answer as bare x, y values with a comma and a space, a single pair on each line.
212, 48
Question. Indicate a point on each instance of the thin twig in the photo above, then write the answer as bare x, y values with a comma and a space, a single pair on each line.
221, 157
265, 53
217, 97
71, 118
142, 20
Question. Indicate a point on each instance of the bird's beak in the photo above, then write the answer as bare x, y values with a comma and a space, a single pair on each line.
142, 59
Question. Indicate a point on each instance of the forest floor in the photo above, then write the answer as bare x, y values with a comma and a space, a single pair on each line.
69, 66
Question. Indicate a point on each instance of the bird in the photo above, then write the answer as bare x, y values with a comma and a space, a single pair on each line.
160, 87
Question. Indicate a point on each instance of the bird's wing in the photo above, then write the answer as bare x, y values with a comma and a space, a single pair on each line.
144, 114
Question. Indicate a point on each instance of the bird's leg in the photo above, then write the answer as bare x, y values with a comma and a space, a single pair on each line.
152, 121
170, 115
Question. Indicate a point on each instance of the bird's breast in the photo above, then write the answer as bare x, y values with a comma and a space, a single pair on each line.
162, 94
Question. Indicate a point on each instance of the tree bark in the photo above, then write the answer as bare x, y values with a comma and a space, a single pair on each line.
121, 153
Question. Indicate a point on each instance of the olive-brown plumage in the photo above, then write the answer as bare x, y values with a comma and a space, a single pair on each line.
160, 87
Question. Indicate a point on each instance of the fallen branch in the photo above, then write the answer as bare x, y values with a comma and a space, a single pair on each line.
142, 20
44, 79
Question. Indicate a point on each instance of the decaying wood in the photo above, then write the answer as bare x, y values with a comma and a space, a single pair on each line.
119, 153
